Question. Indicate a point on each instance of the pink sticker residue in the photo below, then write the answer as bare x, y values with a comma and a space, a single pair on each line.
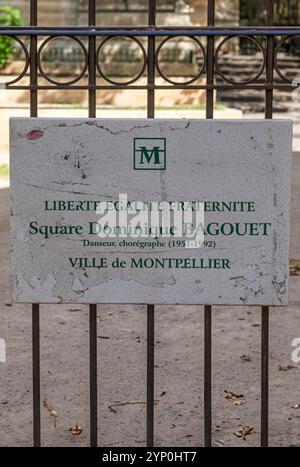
34, 134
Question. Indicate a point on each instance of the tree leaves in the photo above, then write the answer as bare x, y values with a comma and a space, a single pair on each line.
9, 16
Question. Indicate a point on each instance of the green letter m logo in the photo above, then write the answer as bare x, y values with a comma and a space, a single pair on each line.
149, 154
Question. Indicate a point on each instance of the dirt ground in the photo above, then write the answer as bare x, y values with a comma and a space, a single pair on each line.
122, 363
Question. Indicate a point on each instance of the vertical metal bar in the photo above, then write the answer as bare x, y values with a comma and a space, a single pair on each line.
207, 375
93, 377
150, 308
36, 392
265, 311
269, 61
264, 376
33, 61
93, 307
151, 60
92, 60
208, 309
210, 60
36, 377
150, 375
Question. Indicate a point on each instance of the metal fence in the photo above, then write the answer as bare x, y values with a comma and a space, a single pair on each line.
269, 40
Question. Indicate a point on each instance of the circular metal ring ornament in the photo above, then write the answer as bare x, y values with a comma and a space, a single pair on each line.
53, 81
254, 78
135, 78
26, 65
185, 83
276, 66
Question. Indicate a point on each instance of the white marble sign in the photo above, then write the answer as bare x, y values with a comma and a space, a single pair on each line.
87, 194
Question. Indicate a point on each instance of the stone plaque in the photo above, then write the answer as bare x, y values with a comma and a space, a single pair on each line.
150, 211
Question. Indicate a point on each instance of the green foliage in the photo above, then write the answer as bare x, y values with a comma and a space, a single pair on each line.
9, 16
4, 171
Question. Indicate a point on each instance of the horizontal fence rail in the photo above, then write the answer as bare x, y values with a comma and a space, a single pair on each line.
153, 31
